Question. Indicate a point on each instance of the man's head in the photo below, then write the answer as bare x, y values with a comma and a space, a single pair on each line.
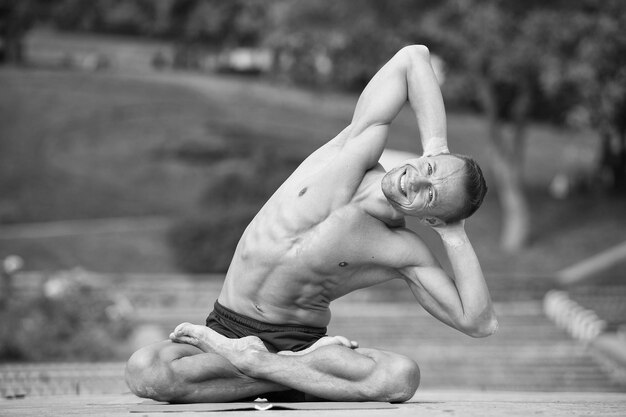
437, 189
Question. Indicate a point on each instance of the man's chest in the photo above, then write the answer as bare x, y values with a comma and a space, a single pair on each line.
346, 241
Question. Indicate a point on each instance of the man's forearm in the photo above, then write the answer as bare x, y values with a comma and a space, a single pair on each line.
407, 76
425, 98
469, 281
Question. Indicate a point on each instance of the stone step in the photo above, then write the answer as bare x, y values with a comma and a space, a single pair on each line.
42, 379
608, 302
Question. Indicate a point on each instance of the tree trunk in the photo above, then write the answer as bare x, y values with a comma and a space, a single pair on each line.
610, 122
612, 161
515, 214
619, 169
506, 164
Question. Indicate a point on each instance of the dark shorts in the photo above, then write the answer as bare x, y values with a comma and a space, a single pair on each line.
276, 337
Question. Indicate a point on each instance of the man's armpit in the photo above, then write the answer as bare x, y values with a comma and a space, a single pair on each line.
408, 250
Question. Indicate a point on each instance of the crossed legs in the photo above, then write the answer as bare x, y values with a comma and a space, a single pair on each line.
200, 365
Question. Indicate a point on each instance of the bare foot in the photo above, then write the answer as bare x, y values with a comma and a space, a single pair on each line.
208, 340
324, 341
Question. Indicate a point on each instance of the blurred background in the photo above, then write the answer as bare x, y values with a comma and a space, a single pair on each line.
139, 137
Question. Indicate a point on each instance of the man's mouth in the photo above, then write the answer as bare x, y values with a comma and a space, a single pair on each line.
403, 183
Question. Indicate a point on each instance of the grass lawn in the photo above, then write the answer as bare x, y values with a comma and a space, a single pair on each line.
78, 145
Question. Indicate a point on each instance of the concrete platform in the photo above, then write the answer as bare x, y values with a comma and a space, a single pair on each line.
425, 403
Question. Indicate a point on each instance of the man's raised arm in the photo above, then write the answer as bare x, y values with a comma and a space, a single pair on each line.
407, 76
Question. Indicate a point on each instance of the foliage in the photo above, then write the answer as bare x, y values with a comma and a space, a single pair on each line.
332, 43
584, 53
16, 18
215, 22
194, 25
130, 17
71, 319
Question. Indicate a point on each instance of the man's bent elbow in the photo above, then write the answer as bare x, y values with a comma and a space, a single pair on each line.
416, 52
481, 328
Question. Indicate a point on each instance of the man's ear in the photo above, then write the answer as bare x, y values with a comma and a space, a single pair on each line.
432, 221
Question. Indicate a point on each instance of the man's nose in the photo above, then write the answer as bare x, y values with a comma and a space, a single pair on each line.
418, 182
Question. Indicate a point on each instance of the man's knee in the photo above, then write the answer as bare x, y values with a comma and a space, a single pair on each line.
409, 379
146, 374
403, 380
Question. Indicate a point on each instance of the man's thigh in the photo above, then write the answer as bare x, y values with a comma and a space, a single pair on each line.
169, 351
190, 362
358, 363
178, 372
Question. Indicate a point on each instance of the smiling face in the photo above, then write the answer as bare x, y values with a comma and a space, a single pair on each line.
429, 187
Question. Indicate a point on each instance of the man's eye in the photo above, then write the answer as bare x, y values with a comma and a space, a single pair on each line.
430, 169
430, 195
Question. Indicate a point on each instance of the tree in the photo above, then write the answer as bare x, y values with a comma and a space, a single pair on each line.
584, 50
16, 19
331, 43
129, 17
216, 24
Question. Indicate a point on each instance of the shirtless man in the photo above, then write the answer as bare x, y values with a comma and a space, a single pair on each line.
336, 225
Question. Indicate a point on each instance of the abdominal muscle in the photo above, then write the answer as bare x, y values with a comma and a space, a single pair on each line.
297, 290
285, 296
282, 280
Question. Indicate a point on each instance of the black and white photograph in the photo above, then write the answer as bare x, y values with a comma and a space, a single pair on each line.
347, 207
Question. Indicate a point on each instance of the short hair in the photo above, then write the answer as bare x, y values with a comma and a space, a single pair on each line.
475, 189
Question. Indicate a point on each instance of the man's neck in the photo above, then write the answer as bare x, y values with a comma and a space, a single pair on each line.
370, 196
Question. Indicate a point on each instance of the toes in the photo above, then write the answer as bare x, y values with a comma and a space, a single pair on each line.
342, 341
187, 329
180, 329
186, 339
182, 338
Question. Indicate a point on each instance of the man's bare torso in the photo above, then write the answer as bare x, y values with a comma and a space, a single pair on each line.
313, 241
